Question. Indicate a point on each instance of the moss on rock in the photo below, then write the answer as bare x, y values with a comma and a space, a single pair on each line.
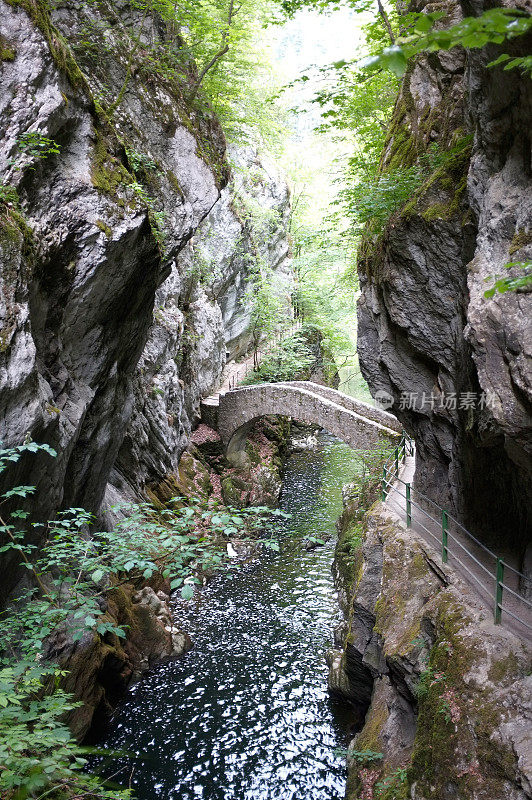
108, 173
38, 11
7, 52
521, 238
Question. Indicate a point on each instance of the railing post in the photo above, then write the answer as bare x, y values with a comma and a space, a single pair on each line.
383, 484
498, 591
408, 506
444, 528
396, 462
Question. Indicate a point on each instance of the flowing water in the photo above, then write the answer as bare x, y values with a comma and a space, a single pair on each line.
245, 715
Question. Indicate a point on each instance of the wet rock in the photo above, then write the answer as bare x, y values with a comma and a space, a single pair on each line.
313, 542
300, 444
101, 669
337, 681
448, 692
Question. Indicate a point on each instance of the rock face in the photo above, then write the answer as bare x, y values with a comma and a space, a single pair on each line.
99, 671
110, 333
83, 257
425, 326
444, 694
200, 318
247, 230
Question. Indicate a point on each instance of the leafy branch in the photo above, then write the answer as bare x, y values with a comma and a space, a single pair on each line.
494, 26
505, 283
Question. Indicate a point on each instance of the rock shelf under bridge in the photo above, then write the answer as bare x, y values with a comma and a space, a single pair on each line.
356, 423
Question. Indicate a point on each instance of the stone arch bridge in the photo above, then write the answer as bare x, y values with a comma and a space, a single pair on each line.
356, 423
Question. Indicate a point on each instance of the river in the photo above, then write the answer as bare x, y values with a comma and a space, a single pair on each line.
245, 715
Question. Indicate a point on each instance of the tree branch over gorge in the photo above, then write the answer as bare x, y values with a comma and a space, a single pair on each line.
221, 52
426, 32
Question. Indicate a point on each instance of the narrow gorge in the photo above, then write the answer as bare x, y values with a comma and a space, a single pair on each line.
265, 400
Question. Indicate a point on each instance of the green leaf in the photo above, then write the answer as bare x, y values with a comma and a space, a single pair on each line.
187, 592
97, 575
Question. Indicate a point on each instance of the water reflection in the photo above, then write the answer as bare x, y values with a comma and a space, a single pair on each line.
246, 714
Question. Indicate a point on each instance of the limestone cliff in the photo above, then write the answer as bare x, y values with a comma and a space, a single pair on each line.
425, 326
201, 318
83, 254
109, 331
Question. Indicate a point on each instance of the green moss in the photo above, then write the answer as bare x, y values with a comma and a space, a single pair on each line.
348, 556
17, 251
38, 11
234, 491
456, 718
104, 228
7, 53
370, 737
520, 239
253, 451
15, 229
369, 741
174, 183
387, 610
392, 786
450, 179
505, 671
108, 174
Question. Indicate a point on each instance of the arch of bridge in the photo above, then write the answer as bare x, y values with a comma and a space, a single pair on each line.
354, 422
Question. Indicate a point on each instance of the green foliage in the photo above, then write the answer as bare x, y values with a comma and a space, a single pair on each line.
267, 301
37, 145
8, 195
37, 753
70, 572
370, 474
238, 80
210, 57
365, 756
7, 53
286, 360
393, 786
372, 201
508, 284
523, 62
494, 26
140, 162
429, 677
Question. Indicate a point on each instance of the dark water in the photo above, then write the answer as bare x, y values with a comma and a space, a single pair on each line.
245, 715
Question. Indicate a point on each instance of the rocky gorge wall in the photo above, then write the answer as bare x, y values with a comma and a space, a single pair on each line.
443, 695
115, 316
425, 327
201, 318
111, 326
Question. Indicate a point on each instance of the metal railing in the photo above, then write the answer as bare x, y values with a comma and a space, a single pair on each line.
447, 538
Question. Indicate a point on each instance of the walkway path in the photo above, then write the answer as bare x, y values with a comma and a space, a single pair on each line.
235, 371
477, 569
